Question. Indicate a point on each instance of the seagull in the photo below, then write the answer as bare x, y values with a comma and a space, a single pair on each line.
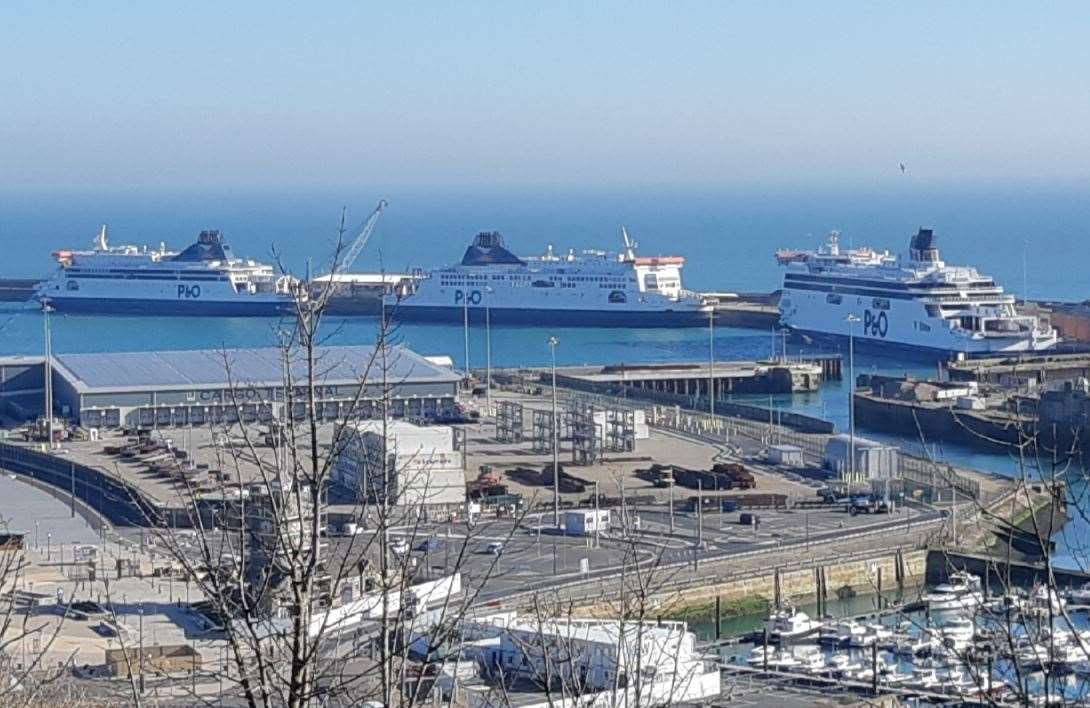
902, 167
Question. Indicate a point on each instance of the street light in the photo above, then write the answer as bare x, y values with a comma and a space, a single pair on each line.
711, 361
851, 320
48, 345
488, 348
553, 343
465, 330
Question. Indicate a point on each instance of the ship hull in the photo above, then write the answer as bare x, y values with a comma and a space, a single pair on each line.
866, 344
900, 323
531, 317
204, 308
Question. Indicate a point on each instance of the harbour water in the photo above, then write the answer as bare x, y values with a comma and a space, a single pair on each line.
1024, 235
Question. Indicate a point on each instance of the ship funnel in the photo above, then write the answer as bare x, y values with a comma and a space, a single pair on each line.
923, 247
102, 242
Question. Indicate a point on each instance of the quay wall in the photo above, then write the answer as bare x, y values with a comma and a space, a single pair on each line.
937, 424
886, 571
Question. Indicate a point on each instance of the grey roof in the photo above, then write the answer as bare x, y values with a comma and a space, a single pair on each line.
215, 368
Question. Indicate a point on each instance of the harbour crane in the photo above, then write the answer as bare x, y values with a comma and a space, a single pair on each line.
363, 235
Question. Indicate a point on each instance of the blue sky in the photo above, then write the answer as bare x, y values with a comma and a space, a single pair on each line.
231, 94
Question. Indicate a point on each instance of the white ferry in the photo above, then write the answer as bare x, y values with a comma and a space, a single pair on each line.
204, 279
592, 288
914, 300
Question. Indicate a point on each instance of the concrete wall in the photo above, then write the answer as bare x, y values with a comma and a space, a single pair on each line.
799, 584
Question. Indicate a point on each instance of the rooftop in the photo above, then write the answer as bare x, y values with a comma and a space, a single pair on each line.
213, 368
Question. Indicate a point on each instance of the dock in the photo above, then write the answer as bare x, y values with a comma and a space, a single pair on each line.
692, 378
1019, 368
17, 289
747, 310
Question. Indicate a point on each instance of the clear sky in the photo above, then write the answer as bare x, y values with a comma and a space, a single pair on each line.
275, 94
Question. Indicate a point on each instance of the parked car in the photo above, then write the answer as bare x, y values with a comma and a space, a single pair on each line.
428, 545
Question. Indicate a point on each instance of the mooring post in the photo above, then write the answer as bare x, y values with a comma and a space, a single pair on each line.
718, 616
776, 587
874, 667
880, 587
764, 656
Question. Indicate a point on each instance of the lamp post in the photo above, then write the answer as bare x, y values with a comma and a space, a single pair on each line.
553, 342
48, 346
141, 613
488, 349
711, 361
851, 320
465, 330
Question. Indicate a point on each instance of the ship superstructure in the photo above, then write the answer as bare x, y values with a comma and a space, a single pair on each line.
913, 300
589, 288
204, 279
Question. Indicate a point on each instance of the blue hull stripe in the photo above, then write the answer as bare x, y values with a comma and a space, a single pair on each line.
568, 318
881, 345
192, 308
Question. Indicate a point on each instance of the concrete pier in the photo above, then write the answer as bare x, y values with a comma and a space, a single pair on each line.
694, 378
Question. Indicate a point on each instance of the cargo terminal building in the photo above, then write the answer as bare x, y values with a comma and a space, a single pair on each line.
201, 387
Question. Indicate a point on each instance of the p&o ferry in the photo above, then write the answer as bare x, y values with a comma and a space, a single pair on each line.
913, 300
204, 279
592, 288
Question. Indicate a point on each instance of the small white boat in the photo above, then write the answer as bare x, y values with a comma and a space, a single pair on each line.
873, 634
1045, 600
756, 657
955, 633
958, 683
924, 679
811, 663
840, 633
866, 673
911, 645
1010, 603
960, 592
783, 661
894, 676
789, 624
839, 665
1079, 596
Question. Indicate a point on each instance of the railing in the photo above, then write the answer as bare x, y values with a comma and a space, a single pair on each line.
597, 582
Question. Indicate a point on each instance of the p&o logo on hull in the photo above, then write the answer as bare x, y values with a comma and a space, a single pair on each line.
472, 297
189, 292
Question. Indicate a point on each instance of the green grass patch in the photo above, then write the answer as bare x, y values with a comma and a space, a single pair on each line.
728, 609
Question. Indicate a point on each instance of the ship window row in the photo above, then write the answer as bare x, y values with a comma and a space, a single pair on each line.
148, 276
834, 296
83, 272
890, 285
604, 280
142, 271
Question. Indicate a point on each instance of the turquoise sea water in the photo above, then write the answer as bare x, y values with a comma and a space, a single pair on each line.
1031, 238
